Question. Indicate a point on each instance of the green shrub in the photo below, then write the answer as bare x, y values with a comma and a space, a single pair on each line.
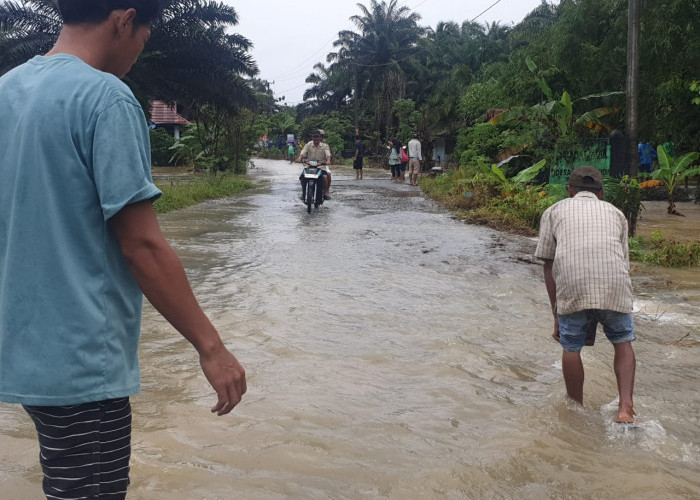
482, 139
485, 200
626, 194
659, 251
161, 142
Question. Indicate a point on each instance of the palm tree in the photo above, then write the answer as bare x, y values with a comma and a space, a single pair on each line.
450, 57
189, 57
330, 90
26, 29
387, 36
496, 42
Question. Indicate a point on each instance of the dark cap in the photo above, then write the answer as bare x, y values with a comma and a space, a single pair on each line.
316, 133
586, 176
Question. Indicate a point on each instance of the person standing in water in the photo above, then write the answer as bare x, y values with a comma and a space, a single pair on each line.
80, 245
583, 243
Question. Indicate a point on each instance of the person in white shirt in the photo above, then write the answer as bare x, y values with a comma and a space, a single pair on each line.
414, 159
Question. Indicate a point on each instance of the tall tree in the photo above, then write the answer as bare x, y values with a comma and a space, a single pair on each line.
387, 36
331, 87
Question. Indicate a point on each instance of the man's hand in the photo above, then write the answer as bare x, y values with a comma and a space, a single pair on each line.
226, 376
555, 335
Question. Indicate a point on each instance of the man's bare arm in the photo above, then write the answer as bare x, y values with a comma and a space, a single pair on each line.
552, 292
160, 274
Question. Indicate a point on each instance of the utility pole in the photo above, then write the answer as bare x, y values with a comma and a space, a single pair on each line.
632, 86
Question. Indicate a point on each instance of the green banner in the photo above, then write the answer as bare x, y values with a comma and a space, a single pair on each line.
597, 156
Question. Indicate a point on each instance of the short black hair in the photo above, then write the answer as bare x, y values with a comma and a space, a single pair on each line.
96, 11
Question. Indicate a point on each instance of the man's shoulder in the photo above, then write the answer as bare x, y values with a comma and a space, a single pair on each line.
79, 78
558, 205
71, 82
575, 204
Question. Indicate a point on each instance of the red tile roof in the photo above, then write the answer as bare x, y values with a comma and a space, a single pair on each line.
162, 114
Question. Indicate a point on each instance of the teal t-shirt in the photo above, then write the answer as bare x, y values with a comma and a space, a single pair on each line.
74, 150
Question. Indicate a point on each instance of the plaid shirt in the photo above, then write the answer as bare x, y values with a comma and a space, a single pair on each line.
587, 240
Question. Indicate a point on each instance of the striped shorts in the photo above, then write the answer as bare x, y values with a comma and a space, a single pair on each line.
84, 449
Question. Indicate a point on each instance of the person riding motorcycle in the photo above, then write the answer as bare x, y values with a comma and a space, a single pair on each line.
319, 151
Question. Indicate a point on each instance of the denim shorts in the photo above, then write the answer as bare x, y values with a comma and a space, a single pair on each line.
618, 327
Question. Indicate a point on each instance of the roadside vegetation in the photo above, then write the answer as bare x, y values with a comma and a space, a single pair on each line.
484, 195
177, 195
660, 251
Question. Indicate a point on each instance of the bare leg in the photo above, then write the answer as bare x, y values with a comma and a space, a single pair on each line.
326, 184
572, 367
625, 364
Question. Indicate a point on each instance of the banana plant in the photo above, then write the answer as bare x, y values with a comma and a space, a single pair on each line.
557, 113
671, 171
522, 178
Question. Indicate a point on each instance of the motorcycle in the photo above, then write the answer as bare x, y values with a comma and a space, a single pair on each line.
313, 174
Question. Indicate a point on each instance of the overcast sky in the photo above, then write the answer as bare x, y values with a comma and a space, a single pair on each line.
289, 37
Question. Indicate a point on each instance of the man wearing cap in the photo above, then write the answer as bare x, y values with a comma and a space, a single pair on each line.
583, 243
316, 150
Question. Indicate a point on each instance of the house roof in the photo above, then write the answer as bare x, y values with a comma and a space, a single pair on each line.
162, 114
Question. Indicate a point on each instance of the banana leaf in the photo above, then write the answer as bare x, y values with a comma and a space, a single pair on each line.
528, 175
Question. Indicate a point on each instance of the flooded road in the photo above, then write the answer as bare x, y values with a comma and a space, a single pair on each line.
392, 352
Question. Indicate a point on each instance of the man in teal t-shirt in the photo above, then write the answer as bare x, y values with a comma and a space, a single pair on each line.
79, 246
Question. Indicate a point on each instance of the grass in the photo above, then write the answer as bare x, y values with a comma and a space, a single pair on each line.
659, 251
177, 195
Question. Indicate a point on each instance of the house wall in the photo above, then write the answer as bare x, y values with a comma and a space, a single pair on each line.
439, 151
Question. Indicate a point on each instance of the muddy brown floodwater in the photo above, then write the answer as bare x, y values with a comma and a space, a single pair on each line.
392, 352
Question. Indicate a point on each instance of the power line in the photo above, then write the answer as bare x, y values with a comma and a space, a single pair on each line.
485, 11
305, 60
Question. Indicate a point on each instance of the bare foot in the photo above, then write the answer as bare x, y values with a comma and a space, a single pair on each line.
625, 416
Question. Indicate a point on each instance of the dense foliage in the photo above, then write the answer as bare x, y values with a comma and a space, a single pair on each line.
562, 68
458, 71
